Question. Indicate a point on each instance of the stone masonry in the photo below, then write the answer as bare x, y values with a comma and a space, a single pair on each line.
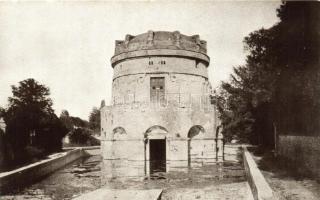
160, 108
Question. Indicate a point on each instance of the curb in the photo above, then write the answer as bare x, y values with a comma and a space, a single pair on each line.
27, 174
259, 186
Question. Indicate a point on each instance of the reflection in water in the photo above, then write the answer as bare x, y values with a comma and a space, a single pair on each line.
85, 175
157, 169
181, 177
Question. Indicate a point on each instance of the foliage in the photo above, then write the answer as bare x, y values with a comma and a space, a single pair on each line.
31, 121
83, 136
34, 153
2, 150
66, 120
80, 132
94, 119
2, 112
298, 86
278, 88
78, 122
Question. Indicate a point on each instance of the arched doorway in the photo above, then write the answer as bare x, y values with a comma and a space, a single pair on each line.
196, 131
155, 149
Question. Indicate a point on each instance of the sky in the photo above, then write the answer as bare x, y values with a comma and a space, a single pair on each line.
67, 46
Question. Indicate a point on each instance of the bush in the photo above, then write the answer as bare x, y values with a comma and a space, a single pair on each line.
82, 136
34, 153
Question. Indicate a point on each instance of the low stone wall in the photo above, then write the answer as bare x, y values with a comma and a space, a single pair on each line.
89, 150
301, 149
259, 186
33, 172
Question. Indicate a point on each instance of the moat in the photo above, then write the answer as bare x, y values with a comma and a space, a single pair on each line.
220, 180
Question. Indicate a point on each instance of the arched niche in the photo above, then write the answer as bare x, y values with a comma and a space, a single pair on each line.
196, 131
194, 145
119, 133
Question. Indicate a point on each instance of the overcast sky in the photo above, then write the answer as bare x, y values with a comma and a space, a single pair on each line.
68, 46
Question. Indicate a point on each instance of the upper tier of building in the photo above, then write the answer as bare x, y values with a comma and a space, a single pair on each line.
160, 43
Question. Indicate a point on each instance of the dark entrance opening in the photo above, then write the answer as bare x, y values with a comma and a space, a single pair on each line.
157, 152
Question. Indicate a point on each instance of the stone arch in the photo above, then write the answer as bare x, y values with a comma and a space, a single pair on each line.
195, 131
193, 145
156, 131
119, 132
155, 148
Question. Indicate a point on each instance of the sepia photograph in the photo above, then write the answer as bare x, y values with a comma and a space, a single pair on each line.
159, 100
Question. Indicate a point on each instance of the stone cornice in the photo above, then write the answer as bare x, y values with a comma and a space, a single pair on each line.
160, 52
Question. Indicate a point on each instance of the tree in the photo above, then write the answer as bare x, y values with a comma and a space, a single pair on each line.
83, 136
78, 122
298, 86
94, 119
2, 112
278, 87
66, 120
31, 121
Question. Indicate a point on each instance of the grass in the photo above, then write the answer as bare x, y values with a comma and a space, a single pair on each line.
279, 165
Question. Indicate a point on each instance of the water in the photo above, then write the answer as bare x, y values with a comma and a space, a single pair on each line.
85, 175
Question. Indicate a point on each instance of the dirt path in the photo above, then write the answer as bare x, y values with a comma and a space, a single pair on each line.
286, 184
291, 189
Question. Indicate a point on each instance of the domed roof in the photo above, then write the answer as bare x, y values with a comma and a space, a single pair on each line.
161, 40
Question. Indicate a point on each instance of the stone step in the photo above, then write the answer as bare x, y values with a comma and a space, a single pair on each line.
104, 193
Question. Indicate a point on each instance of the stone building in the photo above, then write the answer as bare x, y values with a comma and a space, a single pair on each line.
161, 108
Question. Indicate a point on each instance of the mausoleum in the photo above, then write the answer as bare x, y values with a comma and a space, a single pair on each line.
161, 114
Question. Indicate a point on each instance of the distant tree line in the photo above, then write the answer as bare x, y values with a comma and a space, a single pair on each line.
82, 132
277, 91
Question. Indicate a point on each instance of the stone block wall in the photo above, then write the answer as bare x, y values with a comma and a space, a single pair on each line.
125, 158
136, 121
301, 149
185, 79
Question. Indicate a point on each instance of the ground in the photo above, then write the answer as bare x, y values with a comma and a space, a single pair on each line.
79, 177
214, 181
287, 182
230, 191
